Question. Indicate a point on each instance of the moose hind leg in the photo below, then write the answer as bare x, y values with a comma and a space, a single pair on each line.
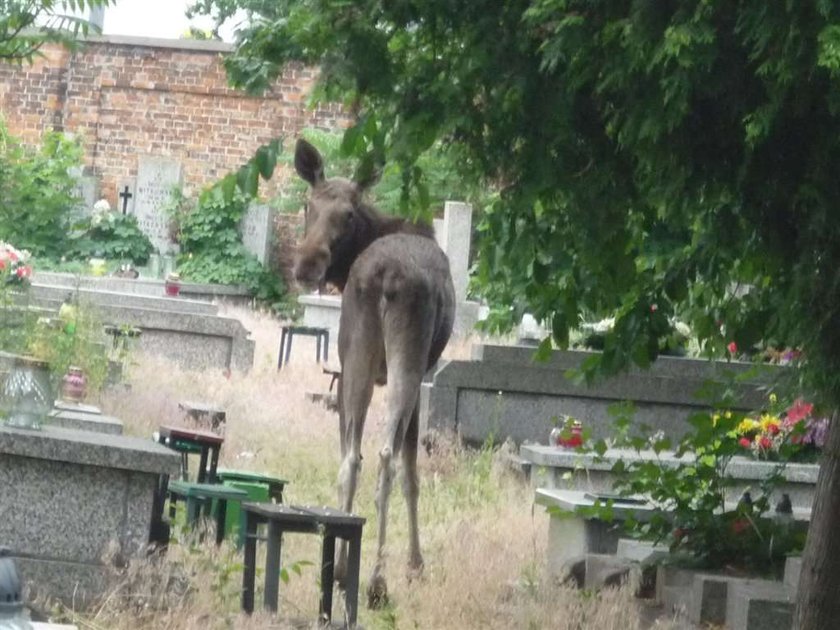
357, 388
402, 403
411, 490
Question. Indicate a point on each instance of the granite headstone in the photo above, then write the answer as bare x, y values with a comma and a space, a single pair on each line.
256, 231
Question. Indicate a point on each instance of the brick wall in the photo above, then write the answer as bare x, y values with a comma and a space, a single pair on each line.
127, 96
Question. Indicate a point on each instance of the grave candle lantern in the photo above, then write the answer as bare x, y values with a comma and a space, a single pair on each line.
27, 393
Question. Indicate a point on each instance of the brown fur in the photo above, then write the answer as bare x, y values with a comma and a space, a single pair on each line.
397, 312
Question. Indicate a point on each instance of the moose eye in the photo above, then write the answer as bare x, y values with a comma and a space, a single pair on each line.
351, 214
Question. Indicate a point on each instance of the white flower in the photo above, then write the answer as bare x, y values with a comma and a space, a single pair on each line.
102, 206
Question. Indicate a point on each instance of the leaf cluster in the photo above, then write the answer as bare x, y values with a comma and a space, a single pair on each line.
114, 237
696, 521
209, 233
36, 192
26, 25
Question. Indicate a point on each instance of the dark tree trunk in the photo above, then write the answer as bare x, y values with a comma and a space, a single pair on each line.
818, 602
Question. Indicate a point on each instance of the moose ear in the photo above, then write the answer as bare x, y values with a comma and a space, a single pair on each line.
308, 162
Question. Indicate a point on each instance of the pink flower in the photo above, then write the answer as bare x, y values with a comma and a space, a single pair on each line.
799, 411
745, 442
764, 442
732, 347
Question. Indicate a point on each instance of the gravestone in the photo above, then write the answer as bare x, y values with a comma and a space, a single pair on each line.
256, 227
156, 178
86, 191
457, 234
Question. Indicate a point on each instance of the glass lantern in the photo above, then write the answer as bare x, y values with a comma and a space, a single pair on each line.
27, 393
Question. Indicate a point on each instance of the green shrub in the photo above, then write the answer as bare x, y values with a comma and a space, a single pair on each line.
36, 192
110, 236
212, 249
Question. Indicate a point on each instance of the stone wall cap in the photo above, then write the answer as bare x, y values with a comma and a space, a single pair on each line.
739, 467
89, 448
197, 45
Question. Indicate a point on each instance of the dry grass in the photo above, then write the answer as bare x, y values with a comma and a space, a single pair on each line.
484, 544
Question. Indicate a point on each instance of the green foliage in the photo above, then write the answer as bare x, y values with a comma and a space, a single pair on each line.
76, 338
212, 249
110, 236
26, 25
678, 154
36, 192
696, 521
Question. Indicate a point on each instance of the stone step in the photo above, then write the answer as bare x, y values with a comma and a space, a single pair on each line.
759, 605
793, 567
605, 570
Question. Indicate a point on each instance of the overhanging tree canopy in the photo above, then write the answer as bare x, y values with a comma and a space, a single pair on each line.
653, 159
26, 25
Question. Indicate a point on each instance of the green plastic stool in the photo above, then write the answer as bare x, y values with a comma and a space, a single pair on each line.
234, 524
275, 485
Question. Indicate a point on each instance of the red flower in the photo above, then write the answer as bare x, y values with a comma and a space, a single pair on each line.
773, 429
745, 442
732, 347
764, 442
740, 525
2, 265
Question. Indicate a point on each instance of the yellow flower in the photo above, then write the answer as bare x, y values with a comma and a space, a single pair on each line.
773, 398
746, 425
768, 420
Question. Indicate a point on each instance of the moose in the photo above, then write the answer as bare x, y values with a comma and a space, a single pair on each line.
397, 313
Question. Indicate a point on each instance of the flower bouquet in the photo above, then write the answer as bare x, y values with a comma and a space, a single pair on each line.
794, 431
14, 265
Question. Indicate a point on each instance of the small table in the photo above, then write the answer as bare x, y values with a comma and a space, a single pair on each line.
330, 523
187, 441
200, 495
287, 333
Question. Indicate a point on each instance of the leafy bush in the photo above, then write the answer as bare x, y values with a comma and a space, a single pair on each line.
111, 236
36, 192
76, 338
696, 521
212, 249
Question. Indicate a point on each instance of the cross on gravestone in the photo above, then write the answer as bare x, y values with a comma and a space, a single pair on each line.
125, 195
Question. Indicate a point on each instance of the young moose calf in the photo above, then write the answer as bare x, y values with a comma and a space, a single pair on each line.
397, 312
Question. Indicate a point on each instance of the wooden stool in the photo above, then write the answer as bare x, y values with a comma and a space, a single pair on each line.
329, 523
287, 333
186, 441
199, 497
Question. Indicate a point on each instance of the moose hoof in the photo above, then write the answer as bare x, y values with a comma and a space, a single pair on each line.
414, 571
377, 593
